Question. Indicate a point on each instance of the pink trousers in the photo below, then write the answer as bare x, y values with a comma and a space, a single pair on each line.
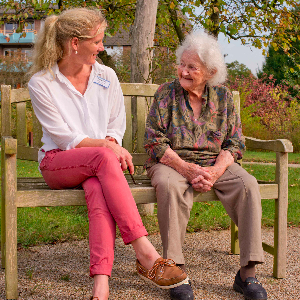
108, 197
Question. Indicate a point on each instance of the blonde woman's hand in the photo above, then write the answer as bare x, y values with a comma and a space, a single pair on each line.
122, 154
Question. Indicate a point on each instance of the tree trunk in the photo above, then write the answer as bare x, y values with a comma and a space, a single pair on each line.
143, 40
142, 36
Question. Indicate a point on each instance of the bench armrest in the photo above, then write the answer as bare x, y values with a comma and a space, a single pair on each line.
9, 145
280, 145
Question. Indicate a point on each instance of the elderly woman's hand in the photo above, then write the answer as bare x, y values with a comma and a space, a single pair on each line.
198, 177
223, 161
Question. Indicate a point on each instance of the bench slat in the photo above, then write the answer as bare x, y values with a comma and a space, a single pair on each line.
139, 89
20, 95
28, 153
33, 191
142, 112
21, 124
127, 139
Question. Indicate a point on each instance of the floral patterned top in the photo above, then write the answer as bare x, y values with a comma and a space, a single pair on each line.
171, 123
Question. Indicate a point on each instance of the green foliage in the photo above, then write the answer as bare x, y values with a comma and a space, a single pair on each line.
236, 69
283, 64
122, 65
13, 68
254, 22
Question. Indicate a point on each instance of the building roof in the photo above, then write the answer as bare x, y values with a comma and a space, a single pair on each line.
121, 38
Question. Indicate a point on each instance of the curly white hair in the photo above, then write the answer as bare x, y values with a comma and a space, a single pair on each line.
208, 50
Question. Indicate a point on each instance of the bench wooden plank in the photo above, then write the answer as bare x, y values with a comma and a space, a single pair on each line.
19, 95
34, 191
21, 124
28, 153
127, 139
139, 89
280, 145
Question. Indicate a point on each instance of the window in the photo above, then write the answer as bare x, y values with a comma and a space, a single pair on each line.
10, 28
29, 27
25, 53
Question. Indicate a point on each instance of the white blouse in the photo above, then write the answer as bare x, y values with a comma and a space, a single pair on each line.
67, 117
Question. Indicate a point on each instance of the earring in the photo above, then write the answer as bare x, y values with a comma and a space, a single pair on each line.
76, 52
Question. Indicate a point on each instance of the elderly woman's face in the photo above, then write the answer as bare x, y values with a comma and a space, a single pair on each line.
192, 73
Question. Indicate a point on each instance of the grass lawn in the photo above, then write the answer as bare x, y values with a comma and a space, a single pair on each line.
56, 224
294, 158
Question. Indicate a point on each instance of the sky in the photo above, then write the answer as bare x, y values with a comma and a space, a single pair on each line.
249, 56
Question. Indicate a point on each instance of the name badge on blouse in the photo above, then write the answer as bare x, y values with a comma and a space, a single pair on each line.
101, 81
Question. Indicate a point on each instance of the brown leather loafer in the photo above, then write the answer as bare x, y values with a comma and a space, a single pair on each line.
164, 274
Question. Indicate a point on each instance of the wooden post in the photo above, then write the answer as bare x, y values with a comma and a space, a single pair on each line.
280, 222
2, 208
5, 110
9, 148
5, 131
235, 247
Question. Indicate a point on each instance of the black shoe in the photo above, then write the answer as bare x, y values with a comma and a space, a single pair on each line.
182, 292
251, 288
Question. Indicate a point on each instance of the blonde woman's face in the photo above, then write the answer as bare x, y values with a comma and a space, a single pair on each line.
89, 49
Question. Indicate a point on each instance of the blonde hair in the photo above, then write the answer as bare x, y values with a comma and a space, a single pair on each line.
57, 30
208, 50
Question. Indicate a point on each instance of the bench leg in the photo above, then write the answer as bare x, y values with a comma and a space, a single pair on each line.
11, 268
280, 224
9, 190
280, 241
2, 209
235, 248
3, 232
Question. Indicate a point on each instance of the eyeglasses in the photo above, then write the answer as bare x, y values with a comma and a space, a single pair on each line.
190, 68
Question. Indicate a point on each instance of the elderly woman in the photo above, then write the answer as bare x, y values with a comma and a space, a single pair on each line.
79, 104
194, 139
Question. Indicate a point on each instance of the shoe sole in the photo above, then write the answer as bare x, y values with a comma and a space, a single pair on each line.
165, 287
238, 289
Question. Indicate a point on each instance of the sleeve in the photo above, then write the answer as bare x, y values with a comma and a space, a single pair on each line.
117, 120
235, 140
156, 141
51, 120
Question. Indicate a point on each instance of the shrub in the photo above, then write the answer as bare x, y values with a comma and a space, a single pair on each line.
268, 111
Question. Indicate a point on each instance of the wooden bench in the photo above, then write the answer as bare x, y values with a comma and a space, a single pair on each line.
33, 192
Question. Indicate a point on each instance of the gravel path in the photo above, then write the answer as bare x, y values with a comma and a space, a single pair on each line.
61, 271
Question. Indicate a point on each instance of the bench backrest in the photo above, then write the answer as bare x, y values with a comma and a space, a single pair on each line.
16, 115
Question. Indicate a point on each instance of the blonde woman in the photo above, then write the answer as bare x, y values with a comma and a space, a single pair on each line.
79, 104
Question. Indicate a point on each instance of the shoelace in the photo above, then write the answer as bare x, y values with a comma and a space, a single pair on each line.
161, 263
